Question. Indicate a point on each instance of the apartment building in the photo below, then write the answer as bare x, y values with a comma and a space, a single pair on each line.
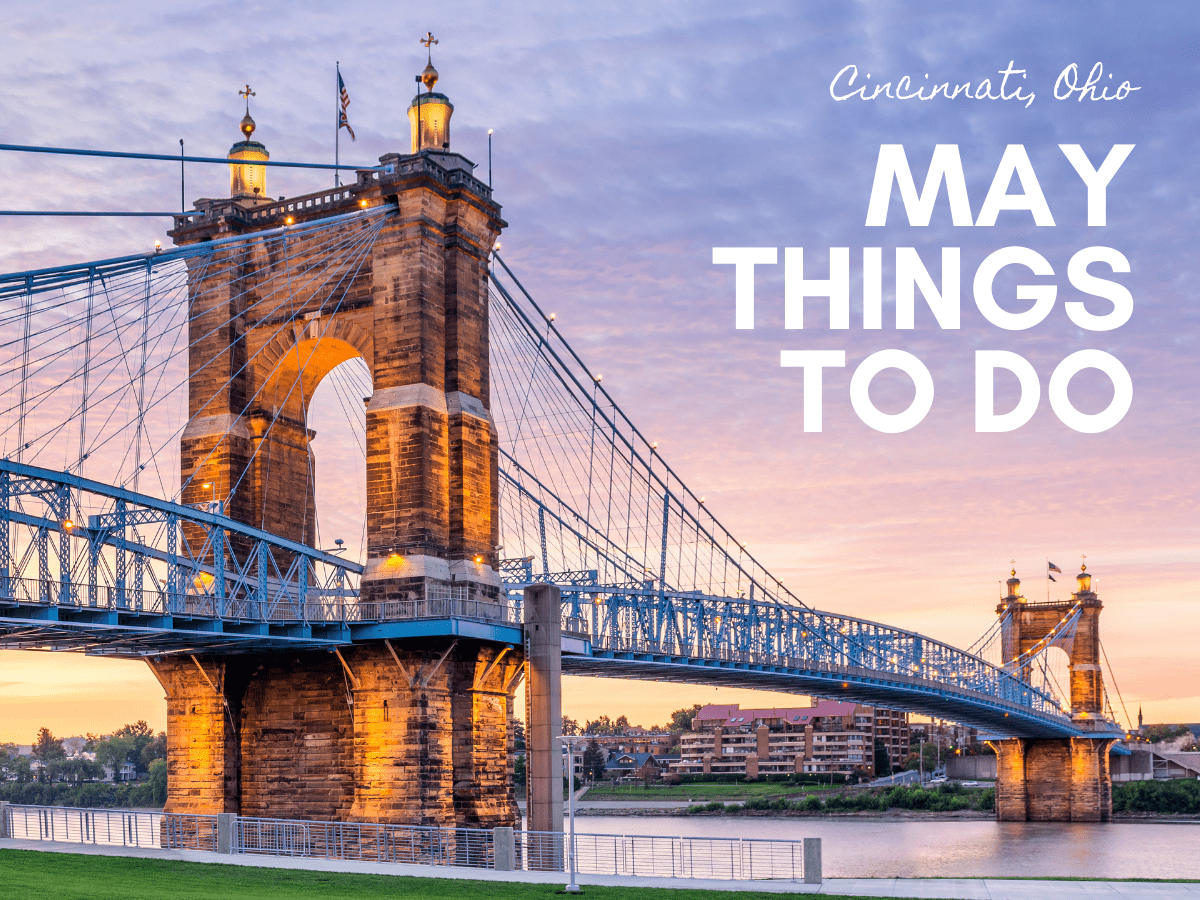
829, 737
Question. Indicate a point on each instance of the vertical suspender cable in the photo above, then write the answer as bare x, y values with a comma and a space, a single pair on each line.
24, 368
140, 388
87, 365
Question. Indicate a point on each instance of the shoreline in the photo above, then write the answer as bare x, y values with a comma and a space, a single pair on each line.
898, 815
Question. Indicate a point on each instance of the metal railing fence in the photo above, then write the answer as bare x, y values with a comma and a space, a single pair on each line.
727, 859
419, 845
112, 827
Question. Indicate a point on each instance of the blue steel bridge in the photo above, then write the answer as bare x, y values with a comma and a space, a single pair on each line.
98, 555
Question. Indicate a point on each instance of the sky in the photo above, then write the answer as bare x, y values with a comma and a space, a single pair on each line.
632, 139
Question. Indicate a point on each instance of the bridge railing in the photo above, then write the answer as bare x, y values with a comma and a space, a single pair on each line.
111, 827
741, 631
412, 844
727, 859
439, 608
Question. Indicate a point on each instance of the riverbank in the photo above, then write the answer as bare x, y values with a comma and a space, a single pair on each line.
916, 815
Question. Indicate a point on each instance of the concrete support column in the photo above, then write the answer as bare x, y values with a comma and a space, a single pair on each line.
504, 849
543, 708
4, 832
226, 832
812, 861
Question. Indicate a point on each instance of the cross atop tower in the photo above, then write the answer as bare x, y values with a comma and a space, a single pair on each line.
428, 41
247, 93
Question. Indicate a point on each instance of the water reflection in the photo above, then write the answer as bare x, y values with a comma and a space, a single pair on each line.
866, 848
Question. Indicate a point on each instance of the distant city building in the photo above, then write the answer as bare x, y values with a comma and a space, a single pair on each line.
1145, 763
829, 737
637, 765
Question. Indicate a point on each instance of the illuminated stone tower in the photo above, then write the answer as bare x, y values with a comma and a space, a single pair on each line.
1067, 779
414, 730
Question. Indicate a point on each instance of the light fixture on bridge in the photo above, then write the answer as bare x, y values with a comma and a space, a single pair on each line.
362, 203
68, 524
158, 246
289, 221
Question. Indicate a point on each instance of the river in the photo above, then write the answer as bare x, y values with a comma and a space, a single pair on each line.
914, 848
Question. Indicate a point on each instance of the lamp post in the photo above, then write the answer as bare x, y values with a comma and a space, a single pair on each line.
571, 888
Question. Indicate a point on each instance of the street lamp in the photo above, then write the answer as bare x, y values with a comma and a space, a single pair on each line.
571, 888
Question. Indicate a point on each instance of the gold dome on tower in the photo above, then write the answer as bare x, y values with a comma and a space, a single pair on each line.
429, 77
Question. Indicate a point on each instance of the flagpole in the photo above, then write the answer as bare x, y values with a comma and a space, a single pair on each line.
337, 120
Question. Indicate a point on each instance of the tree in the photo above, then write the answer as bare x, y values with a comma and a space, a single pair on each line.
154, 750
602, 725
681, 719
47, 747
621, 725
135, 744
593, 760
14, 766
929, 753
569, 726
519, 736
519, 768
74, 771
158, 780
883, 764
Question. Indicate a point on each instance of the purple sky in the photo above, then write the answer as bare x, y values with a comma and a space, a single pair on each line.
631, 139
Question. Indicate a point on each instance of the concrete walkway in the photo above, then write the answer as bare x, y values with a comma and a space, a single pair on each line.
933, 888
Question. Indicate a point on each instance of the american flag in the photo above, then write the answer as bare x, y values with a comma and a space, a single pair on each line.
345, 95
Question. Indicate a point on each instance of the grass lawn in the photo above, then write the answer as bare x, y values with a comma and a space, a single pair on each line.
702, 792
31, 875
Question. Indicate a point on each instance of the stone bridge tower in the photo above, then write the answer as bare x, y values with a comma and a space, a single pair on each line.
414, 731
1066, 779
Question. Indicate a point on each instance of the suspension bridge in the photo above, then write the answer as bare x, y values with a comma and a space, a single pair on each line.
158, 497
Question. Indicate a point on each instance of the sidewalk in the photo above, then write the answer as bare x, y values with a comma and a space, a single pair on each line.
933, 888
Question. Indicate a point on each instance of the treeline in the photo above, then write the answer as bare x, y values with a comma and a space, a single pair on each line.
1178, 795
948, 797
52, 776
97, 795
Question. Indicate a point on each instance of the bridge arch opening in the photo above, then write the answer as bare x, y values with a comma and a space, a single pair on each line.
337, 415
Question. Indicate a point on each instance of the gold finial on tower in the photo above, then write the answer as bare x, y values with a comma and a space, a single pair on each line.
430, 76
247, 125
